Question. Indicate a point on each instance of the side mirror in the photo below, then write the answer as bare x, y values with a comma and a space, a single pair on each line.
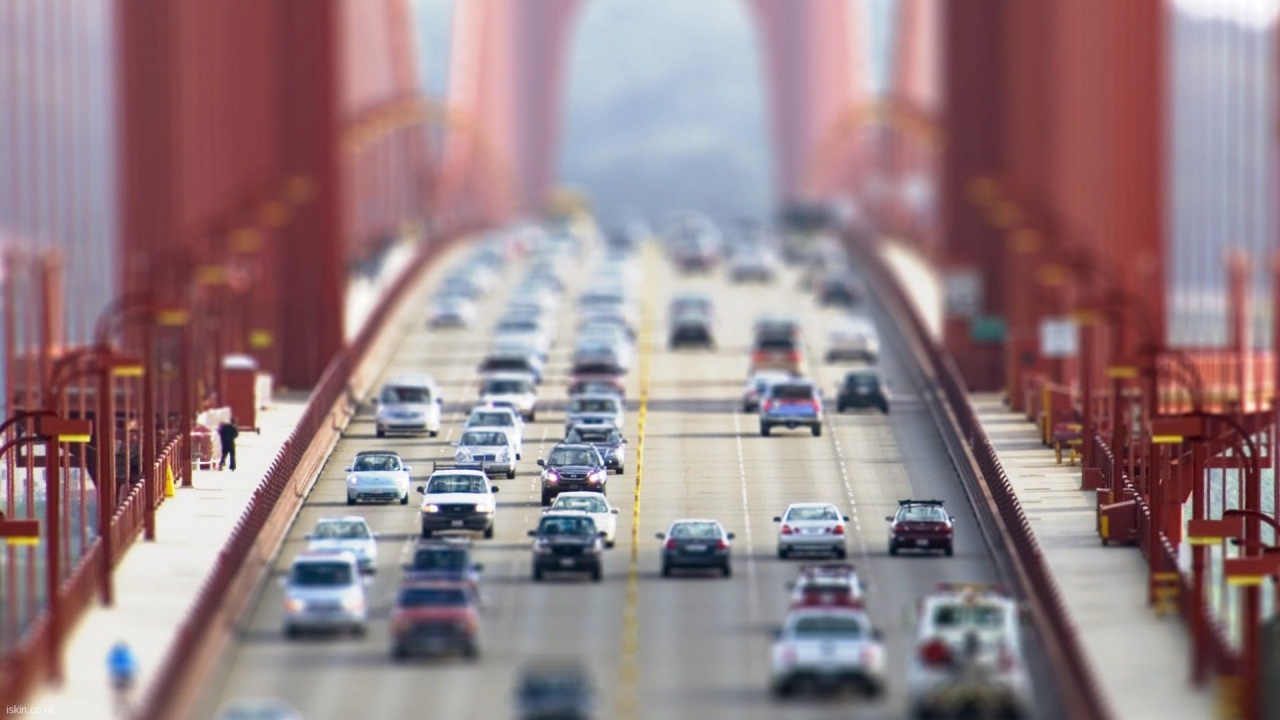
614, 511
877, 635
729, 535
777, 633
347, 469
406, 468
624, 441
542, 463
478, 567
659, 535
373, 400
888, 518
366, 579
846, 518
603, 534
493, 488
376, 535
952, 518
777, 518
422, 489
790, 585
439, 401
532, 533
308, 536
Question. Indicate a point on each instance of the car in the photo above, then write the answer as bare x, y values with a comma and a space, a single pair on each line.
259, 709
828, 648
567, 541
572, 467
856, 338
448, 558
607, 439
752, 264
612, 319
841, 289
550, 690
602, 410
791, 404
811, 527
691, 328
512, 358
511, 390
452, 312
504, 418
863, 388
602, 352
491, 447
757, 385
378, 475
594, 504
776, 352
408, 404
690, 303
598, 385
350, 534
967, 656
435, 617
458, 498
324, 591
828, 584
777, 326
921, 525
696, 544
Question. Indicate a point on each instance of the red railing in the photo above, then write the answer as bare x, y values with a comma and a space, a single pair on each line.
252, 543
1000, 514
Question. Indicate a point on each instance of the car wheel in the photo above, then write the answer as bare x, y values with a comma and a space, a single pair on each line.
351, 500
783, 553
381, 433
511, 474
764, 429
537, 574
840, 408
746, 408
433, 433
404, 499
488, 532
783, 689
470, 651
727, 570
398, 652
951, 550
841, 553
596, 574
426, 533
817, 430
546, 500
666, 570
893, 548
290, 631
357, 630
884, 408
533, 416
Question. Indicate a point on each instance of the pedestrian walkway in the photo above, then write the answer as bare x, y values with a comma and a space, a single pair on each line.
1141, 661
157, 582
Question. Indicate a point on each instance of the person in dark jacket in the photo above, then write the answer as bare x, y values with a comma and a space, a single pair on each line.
227, 433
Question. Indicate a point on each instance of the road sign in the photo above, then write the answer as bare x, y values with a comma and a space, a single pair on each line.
1059, 337
988, 329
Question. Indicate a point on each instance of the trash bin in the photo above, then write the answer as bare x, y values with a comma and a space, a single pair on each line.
241, 378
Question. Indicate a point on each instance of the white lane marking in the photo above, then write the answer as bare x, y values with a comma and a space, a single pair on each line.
753, 587
848, 490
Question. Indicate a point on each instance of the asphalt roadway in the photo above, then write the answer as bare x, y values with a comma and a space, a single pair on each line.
684, 647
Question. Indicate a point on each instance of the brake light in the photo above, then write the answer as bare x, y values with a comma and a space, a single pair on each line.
899, 527
759, 356
722, 545
786, 530
793, 356
671, 545
935, 653
837, 530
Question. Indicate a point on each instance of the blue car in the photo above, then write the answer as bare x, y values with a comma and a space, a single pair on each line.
791, 404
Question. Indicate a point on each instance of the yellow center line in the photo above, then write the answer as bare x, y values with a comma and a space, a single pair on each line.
628, 669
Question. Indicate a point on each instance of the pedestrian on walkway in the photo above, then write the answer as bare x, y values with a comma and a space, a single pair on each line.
227, 434
122, 668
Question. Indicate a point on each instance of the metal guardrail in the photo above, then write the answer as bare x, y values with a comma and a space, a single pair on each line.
249, 550
1003, 521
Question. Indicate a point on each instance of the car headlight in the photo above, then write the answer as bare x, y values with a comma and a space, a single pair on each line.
551, 475
294, 605
596, 476
352, 479
354, 603
541, 547
504, 455
462, 455
431, 508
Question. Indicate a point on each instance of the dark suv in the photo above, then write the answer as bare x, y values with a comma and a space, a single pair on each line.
691, 328
864, 388
572, 467
567, 541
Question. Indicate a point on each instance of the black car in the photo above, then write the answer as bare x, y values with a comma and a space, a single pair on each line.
844, 289
447, 560
607, 440
567, 541
572, 467
696, 544
691, 328
555, 691
864, 388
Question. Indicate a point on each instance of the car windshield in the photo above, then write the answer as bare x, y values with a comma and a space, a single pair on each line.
394, 395
695, 530
376, 463
572, 456
585, 504
592, 386
862, 381
567, 526
776, 344
341, 530
457, 484
792, 392
443, 559
559, 686
980, 615
506, 387
846, 626
483, 438
428, 597
922, 513
517, 326
813, 513
322, 574
594, 405
492, 419
506, 364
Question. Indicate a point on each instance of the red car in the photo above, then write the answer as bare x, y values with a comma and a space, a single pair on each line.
921, 525
826, 585
434, 618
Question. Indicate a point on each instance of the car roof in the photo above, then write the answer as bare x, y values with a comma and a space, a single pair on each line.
682, 521
908, 503
410, 380
366, 453
344, 518
324, 556
811, 504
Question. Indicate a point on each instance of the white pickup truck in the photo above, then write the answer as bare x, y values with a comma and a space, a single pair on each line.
827, 648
